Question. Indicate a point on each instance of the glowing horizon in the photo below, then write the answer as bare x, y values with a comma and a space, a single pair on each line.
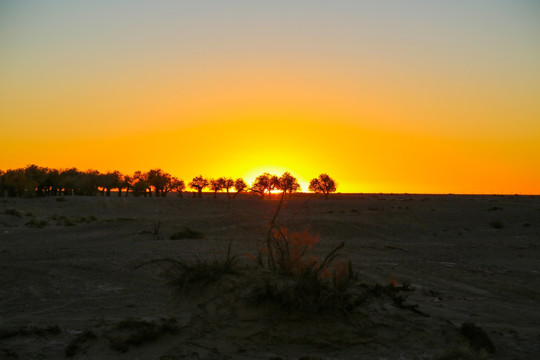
390, 97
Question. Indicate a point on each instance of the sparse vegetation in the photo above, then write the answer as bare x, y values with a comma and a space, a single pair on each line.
76, 343
184, 276
186, 233
463, 352
497, 224
137, 332
13, 212
37, 223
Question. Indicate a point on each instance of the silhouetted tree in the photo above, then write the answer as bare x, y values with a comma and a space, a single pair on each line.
159, 180
217, 185
127, 182
15, 182
265, 183
139, 183
108, 181
239, 185
288, 183
177, 185
2, 188
36, 177
87, 183
228, 183
198, 183
324, 184
52, 182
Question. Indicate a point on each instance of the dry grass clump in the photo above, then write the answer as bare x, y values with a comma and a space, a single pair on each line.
186, 233
184, 276
37, 223
137, 332
464, 352
76, 345
306, 283
13, 212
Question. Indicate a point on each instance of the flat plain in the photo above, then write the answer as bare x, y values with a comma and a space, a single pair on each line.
72, 284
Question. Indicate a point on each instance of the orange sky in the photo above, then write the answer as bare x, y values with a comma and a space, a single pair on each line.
425, 98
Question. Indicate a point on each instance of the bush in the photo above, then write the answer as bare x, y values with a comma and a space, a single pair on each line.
137, 332
184, 276
13, 212
37, 223
186, 233
497, 224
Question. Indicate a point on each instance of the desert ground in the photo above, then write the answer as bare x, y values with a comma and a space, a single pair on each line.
78, 278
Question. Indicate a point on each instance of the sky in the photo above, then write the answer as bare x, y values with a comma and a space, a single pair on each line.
419, 96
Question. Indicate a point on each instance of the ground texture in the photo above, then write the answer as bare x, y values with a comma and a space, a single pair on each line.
71, 285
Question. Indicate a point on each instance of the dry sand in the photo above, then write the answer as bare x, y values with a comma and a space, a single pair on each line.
74, 280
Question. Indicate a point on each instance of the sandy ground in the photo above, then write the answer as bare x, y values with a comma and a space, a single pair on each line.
69, 277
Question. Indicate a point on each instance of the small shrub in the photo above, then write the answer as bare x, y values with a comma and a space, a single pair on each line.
497, 224
64, 220
477, 337
13, 212
137, 332
37, 223
186, 233
75, 345
495, 208
184, 276
463, 352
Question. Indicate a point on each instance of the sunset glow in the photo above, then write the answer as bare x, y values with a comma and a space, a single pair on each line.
428, 97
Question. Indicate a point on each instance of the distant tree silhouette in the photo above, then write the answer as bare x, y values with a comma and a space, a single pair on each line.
217, 185
108, 181
239, 185
228, 183
177, 185
127, 181
2, 188
34, 180
139, 183
265, 183
324, 184
198, 183
159, 180
288, 183
15, 182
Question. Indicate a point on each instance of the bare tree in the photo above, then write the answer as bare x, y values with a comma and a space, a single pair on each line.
324, 184
198, 183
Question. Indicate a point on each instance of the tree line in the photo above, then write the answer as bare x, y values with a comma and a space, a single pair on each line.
37, 181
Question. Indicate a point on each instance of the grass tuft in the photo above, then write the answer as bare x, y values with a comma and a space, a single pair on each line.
13, 212
185, 276
37, 223
186, 233
137, 332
